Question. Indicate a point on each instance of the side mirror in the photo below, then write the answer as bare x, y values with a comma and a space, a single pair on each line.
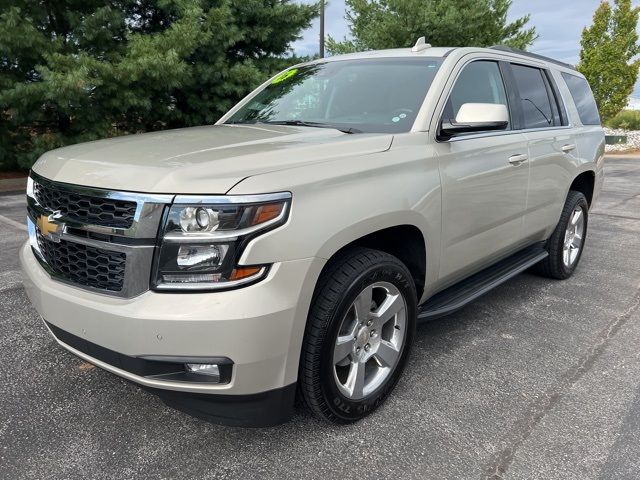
476, 117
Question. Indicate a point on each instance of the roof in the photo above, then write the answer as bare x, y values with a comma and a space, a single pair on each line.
394, 52
441, 52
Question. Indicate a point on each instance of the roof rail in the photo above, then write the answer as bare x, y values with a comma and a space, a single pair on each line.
505, 48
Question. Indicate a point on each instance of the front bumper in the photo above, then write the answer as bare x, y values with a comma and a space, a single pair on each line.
259, 328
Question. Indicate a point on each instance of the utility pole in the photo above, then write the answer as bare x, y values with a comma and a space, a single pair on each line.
321, 28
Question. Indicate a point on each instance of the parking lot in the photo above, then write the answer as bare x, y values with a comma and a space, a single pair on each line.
538, 379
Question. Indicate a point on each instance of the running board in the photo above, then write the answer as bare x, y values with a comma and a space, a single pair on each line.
460, 294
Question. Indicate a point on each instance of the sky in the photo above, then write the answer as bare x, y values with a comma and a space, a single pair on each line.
558, 23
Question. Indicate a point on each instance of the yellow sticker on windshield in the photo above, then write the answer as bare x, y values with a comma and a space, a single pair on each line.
284, 75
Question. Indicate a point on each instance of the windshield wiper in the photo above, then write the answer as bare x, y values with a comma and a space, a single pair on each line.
302, 123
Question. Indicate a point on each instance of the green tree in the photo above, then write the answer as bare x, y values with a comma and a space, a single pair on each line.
77, 70
378, 24
607, 55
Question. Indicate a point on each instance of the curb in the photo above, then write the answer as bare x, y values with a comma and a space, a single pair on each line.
630, 153
13, 185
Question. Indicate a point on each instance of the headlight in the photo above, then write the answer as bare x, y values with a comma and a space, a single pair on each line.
203, 237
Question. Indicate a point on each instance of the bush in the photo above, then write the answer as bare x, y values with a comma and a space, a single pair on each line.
626, 120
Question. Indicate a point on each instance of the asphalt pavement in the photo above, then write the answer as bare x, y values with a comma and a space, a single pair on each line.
538, 379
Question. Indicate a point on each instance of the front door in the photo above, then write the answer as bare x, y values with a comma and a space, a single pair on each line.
484, 180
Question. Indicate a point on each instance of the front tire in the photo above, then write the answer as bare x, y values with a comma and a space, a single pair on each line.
360, 328
566, 244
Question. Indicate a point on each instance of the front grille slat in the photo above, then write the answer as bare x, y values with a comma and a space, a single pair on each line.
83, 264
86, 209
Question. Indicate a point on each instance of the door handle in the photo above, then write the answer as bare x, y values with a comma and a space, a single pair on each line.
567, 148
518, 159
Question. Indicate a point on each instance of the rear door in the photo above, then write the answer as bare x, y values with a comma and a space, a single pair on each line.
588, 132
551, 144
484, 178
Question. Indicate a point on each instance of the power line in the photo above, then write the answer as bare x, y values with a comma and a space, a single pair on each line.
321, 28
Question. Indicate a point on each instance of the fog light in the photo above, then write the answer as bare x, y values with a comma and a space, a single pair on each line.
208, 369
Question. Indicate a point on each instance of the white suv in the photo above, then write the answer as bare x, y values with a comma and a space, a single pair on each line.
291, 248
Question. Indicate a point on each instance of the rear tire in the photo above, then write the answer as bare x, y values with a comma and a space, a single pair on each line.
566, 244
360, 328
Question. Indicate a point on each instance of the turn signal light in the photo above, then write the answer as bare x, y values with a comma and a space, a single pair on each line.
268, 212
244, 272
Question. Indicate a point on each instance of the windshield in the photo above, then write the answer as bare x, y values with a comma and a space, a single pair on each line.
366, 95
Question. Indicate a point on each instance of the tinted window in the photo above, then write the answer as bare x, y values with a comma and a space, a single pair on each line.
534, 97
369, 95
479, 82
583, 98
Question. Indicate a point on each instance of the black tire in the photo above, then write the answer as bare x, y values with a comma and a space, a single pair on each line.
553, 266
341, 282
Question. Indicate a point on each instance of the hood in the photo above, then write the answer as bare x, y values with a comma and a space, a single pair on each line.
200, 160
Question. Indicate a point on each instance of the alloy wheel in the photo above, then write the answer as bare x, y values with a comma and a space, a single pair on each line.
573, 237
370, 340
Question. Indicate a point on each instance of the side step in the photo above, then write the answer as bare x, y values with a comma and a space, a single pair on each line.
458, 295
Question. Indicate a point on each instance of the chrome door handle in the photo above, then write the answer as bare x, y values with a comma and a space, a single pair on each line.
518, 159
568, 148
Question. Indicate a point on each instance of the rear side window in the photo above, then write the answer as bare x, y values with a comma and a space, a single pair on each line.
538, 107
583, 98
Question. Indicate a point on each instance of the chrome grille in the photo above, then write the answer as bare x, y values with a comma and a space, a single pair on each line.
84, 265
107, 212
97, 239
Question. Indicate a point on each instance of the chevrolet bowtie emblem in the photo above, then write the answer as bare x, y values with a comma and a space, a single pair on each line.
49, 227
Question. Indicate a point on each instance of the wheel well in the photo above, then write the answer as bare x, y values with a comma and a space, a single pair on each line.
584, 183
404, 242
